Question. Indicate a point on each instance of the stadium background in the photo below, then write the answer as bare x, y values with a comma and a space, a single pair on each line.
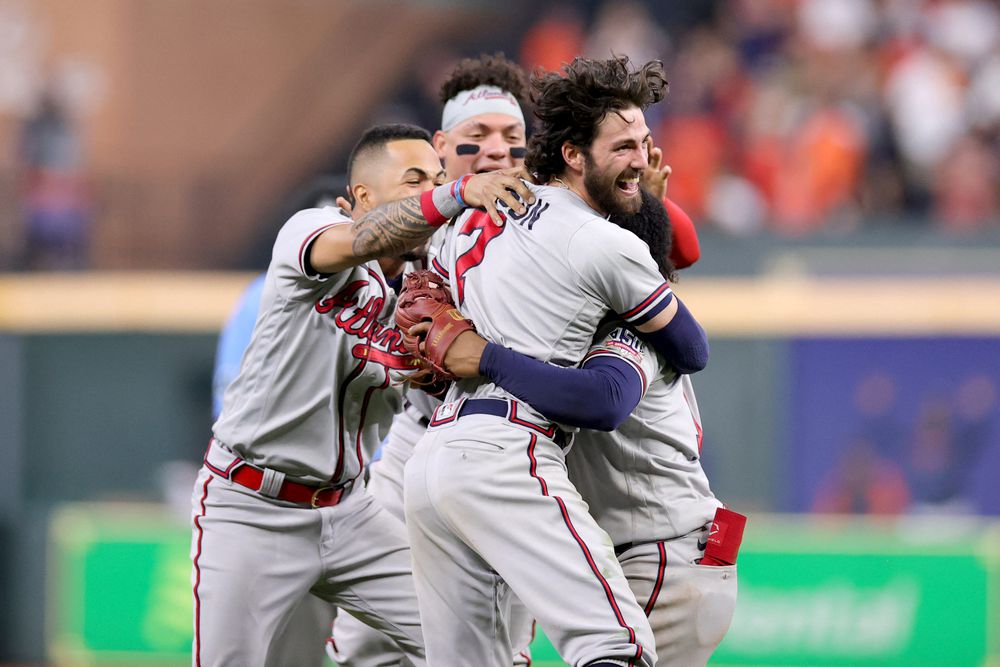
840, 157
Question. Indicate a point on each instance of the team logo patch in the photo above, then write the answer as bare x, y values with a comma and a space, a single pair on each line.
626, 344
446, 412
623, 350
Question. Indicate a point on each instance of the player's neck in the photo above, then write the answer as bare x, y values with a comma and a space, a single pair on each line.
576, 186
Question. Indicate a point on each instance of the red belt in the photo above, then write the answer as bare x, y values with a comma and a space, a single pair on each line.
292, 492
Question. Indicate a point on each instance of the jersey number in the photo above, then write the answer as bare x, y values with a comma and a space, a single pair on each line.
474, 256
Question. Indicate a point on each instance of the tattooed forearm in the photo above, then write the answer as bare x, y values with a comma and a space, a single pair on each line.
390, 230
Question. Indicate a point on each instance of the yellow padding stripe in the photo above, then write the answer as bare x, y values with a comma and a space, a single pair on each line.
844, 307
126, 301
727, 307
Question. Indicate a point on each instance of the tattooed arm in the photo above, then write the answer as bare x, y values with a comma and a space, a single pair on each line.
393, 228
388, 230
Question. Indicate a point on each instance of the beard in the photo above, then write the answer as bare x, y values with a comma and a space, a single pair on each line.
602, 189
651, 224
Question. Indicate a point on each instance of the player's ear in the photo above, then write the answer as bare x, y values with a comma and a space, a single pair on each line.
573, 157
440, 143
362, 197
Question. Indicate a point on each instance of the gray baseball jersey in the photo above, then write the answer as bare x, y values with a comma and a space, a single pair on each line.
645, 486
487, 498
318, 384
353, 643
644, 481
550, 276
316, 390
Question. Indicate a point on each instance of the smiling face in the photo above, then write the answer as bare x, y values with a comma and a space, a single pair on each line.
615, 161
492, 135
402, 168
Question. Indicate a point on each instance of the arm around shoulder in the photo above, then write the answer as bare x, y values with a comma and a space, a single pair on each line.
676, 335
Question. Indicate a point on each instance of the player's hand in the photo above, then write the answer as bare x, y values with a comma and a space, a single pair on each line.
345, 206
654, 177
463, 355
505, 185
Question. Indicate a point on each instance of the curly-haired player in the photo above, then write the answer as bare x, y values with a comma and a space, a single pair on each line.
636, 462
482, 125
489, 506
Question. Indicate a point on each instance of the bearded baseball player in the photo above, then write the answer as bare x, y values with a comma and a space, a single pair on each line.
482, 129
489, 505
277, 512
641, 474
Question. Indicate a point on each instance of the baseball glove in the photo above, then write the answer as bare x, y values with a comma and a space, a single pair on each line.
424, 298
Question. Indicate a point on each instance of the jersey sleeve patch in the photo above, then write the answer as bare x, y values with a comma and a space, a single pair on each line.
625, 345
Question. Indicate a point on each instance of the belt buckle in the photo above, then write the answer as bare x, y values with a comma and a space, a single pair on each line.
315, 496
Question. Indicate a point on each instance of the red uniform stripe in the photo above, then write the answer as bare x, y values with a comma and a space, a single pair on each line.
197, 576
659, 579
341, 433
526, 654
439, 268
547, 432
697, 426
361, 421
585, 550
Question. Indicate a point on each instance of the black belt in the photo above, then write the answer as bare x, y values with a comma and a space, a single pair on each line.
499, 407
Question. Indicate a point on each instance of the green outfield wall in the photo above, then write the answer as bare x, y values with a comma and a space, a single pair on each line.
812, 592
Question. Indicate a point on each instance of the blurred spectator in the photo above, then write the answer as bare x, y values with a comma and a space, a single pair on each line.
625, 27
935, 468
947, 444
876, 401
863, 483
866, 480
966, 185
554, 40
55, 199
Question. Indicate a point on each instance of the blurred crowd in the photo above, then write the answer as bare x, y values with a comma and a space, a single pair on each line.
799, 115
928, 462
803, 115
788, 116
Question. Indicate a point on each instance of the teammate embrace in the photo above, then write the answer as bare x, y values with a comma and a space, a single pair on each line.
579, 328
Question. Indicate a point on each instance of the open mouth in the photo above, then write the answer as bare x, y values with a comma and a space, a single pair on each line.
628, 186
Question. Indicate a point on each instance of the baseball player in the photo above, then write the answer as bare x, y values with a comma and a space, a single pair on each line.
276, 510
312, 616
482, 129
642, 478
489, 505
645, 486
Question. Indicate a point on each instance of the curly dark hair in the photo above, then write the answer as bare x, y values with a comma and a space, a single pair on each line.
651, 224
488, 70
572, 105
